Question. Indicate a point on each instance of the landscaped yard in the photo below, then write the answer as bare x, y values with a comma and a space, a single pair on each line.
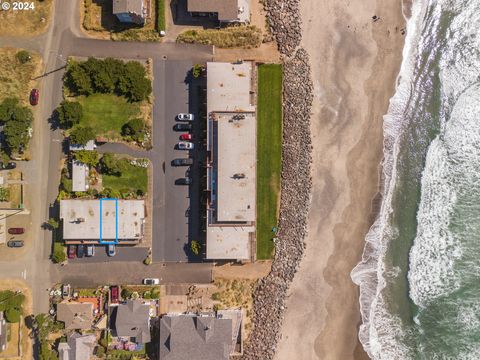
244, 36
15, 77
132, 178
269, 153
107, 113
99, 21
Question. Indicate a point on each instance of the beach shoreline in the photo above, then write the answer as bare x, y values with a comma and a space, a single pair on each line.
355, 54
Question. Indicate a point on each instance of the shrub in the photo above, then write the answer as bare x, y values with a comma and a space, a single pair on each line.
12, 315
53, 223
4, 194
81, 135
196, 247
197, 70
23, 56
100, 351
160, 15
135, 129
155, 293
87, 157
69, 113
245, 36
58, 255
126, 294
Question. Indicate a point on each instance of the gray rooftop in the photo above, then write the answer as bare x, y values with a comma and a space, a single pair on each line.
78, 347
195, 337
75, 315
127, 6
81, 219
79, 176
229, 86
3, 332
132, 319
90, 145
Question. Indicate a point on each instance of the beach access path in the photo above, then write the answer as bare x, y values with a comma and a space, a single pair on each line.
354, 61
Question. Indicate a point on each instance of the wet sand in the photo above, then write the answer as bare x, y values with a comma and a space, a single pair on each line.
355, 61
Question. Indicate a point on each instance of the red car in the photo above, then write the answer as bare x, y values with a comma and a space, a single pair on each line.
34, 95
114, 294
186, 137
72, 252
16, 231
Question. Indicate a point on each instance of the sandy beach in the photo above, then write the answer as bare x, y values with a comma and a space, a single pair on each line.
354, 61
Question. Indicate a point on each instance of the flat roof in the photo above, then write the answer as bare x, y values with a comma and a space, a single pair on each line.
229, 86
90, 145
227, 9
229, 242
79, 176
81, 219
235, 164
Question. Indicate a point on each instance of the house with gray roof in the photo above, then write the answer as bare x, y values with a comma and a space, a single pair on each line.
130, 11
76, 316
132, 320
199, 337
226, 11
77, 347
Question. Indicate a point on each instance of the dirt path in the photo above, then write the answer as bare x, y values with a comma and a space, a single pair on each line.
355, 61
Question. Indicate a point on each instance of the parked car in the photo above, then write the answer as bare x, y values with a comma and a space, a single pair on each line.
90, 250
66, 290
15, 243
185, 145
16, 231
111, 251
72, 251
34, 96
185, 117
182, 127
7, 166
183, 181
80, 251
151, 281
186, 137
114, 292
182, 162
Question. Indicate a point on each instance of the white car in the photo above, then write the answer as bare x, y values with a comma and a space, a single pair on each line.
185, 145
151, 281
185, 117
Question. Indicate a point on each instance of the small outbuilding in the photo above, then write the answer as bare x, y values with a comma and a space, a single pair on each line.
130, 11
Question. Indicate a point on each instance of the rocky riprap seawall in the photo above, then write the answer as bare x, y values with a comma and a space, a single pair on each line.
270, 294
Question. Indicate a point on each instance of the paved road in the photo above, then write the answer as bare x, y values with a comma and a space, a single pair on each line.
130, 273
42, 173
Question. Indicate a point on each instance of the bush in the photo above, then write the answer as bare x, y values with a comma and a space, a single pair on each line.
23, 56
100, 352
53, 223
111, 165
135, 129
81, 135
196, 247
4, 194
58, 255
126, 294
69, 113
12, 315
197, 70
160, 15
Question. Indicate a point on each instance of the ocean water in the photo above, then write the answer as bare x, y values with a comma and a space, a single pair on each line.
419, 276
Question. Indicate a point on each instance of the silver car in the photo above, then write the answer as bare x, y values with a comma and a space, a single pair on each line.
185, 145
185, 117
111, 250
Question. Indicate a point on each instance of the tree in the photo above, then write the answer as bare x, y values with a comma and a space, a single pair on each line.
46, 353
78, 79
23, 56
69, 113
111, 165
17, 121
81, 135
134, 83
12, 315
53, 223
88, 157
196, 247
134, 129
197, 70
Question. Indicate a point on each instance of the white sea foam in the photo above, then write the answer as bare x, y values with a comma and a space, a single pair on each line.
381, 333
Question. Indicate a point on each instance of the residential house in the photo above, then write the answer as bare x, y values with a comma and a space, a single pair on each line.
231, 161
225, 11
102, 220
3, 332
130, 11
76, 316
132, 320
77, 347
90, 146
199, 337
79, 176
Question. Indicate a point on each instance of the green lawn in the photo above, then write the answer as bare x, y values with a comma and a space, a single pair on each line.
269, 153
133, 178
107, 113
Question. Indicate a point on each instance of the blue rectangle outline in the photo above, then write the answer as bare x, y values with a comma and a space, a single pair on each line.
116, 222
